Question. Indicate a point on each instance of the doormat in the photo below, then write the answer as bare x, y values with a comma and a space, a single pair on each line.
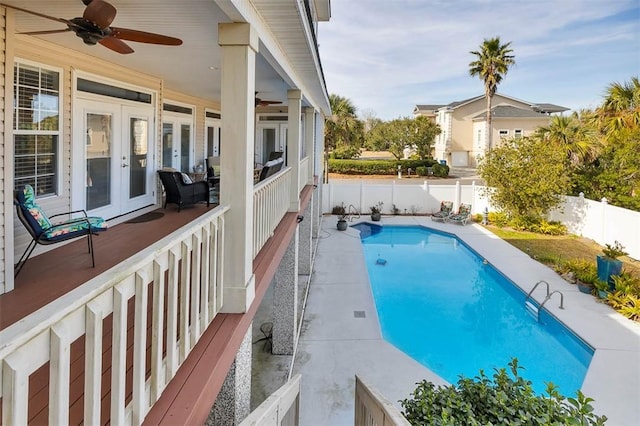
147, 217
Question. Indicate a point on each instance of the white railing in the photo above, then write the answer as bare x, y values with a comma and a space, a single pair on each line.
373, 409
270, 203
176, 280
281, 408
304, 172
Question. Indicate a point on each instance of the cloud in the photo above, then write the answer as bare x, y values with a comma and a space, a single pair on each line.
387, 56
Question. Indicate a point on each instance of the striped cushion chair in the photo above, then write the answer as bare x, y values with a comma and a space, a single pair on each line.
445, 211
463, 215
45, 232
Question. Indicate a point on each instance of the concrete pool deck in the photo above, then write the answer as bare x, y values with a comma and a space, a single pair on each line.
341, 335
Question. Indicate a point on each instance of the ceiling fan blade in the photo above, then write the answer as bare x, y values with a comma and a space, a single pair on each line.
64, 21
46, 32
143, 37
100, 13
116, 45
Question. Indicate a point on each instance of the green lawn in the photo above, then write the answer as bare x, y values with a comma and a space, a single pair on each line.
552, 250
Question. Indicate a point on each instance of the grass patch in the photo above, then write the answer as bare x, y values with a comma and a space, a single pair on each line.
553, 250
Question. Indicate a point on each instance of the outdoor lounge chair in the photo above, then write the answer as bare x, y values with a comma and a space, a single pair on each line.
178, 190
444, 212
463, 215
213, 171
44, 232
270, 168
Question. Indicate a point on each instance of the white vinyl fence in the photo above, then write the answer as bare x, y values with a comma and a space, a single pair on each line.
596, 220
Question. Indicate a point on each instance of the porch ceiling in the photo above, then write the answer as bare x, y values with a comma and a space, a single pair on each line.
192, 68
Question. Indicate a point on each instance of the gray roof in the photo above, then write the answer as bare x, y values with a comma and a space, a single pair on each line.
421, 107
548, 108
509, 111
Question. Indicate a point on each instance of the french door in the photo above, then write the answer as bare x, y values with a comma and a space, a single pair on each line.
115, 143
270, 137
177, 141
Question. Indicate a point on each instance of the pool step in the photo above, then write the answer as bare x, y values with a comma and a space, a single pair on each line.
532, 309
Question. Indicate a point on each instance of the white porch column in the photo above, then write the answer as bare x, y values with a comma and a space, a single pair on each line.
285, 301
309, 138
239, 43
293, 146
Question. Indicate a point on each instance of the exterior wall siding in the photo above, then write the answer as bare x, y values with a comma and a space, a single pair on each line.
68, 61
6, 282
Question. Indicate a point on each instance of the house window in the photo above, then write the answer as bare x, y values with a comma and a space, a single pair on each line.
36, 128
517, 133
504, 133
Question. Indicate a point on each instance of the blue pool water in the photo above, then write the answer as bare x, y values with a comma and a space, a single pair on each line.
440, 304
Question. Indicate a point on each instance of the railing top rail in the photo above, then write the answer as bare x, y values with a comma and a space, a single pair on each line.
270, 179
17, 334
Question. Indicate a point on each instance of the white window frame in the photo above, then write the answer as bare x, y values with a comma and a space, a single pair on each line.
15, 131
503, 133
518, 133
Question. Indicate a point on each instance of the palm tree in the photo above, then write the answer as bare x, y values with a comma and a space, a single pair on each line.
341, 127
491, 65
573, 136
621, 107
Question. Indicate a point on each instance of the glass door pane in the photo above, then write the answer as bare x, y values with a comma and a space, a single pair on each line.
268, 143
185, 145
167, 145
98, 154
139, 129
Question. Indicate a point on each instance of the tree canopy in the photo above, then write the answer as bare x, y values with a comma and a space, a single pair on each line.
528, 177
396, 135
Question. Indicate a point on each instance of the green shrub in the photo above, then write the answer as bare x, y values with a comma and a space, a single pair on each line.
499, 219
421, 171
376, 167
507, 399
537, 225
440, 170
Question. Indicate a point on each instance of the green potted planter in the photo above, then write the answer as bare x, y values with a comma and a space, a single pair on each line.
585, 279
609, 264
341, 212
376, 211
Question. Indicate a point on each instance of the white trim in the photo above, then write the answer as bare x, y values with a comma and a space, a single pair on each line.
60, 191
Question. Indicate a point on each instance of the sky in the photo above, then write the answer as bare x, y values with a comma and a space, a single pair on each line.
387, 56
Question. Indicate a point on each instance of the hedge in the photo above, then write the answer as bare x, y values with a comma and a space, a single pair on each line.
383, 167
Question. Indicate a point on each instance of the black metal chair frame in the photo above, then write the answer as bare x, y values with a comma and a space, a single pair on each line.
38, 237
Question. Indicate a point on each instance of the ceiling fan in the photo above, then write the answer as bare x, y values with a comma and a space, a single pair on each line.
94, 27
264, 102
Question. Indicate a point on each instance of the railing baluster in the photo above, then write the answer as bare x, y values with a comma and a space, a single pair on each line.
157, 325
172, 315
92, 363
185, 257
194, 297
140, 407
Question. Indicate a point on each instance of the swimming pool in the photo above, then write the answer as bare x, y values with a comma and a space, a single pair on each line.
441, 305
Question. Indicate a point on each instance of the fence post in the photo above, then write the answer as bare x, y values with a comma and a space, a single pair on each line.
393, 194
361, 196
605, 203
425, 185
456, 204
474, 205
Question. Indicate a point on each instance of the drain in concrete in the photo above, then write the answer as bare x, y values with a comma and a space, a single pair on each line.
359, 314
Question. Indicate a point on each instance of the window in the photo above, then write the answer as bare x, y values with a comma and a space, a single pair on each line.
517, 133
504, 133
36, 128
